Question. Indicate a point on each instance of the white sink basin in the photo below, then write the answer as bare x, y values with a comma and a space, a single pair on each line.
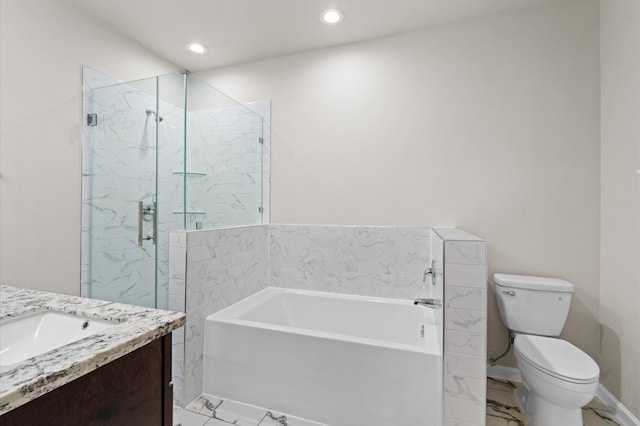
35, 333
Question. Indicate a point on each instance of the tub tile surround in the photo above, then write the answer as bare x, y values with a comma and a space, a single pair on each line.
176, 302
210, 270
359, 260
465, 327
220, 267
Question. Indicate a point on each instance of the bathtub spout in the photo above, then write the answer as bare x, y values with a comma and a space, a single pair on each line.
429, 303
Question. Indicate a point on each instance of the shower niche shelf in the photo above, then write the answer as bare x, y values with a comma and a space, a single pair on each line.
189, 173
191, 212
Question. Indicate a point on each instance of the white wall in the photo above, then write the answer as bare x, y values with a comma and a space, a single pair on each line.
42, 46
491, 125
620, 231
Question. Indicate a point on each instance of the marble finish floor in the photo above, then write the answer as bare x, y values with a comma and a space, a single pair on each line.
208, 410
502, 408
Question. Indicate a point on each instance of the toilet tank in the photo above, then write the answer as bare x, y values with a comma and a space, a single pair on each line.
533, 305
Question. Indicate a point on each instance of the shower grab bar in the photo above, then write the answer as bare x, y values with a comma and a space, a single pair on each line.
140, 207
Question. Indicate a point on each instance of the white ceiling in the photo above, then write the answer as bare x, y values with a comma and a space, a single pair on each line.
245, 30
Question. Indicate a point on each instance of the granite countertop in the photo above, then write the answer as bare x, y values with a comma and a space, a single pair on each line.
136, 326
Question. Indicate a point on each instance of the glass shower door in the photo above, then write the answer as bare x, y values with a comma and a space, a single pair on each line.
121, 202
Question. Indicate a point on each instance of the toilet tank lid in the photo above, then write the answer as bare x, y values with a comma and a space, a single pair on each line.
533, 283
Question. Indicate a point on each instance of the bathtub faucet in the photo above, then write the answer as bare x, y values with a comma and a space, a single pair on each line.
431, 273
429, 303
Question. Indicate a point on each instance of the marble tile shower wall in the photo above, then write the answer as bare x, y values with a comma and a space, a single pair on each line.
119, 160
225, 156
220, 267
361, 260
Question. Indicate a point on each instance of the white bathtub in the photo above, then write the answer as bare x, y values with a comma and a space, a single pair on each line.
337, 359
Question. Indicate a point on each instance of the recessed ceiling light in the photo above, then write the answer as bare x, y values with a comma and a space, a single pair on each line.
331, 17
198, 48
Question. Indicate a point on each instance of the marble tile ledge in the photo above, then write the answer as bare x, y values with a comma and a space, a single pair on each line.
135, 327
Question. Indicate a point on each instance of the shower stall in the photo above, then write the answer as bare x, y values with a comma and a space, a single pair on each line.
161, 154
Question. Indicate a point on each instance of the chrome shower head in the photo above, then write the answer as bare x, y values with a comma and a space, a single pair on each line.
157, 117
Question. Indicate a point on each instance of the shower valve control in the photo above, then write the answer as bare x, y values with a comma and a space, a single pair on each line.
431, 273
148, 212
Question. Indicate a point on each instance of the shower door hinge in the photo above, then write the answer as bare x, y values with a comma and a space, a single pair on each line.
260, 140
92, 119
259, 209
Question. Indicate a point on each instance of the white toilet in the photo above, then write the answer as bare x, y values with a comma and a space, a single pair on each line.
559, 379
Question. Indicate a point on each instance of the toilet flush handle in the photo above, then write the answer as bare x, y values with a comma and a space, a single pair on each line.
510, 292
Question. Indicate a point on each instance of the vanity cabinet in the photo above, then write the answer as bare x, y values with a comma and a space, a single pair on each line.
134, 389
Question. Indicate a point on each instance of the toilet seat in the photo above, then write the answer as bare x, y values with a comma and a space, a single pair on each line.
557, 358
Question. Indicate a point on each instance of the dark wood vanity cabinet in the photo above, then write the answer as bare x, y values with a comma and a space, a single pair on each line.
132, 390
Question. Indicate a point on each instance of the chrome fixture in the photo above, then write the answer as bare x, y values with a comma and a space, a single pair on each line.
157, 117
146, 212
429, 303
92, 119
431, 273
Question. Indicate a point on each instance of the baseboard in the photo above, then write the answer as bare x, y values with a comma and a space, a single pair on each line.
504, 373
620, 411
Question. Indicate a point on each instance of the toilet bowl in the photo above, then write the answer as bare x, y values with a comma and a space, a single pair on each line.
559, 379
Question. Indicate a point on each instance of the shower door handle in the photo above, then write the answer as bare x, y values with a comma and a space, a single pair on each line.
140, 207
142, 210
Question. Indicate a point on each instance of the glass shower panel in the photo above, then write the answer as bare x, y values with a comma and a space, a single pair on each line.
122, 191
170, 168
160, 154
223, 163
